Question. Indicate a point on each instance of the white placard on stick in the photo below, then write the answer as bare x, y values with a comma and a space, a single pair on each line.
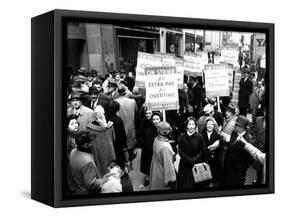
161, 88
216, 80
230, 54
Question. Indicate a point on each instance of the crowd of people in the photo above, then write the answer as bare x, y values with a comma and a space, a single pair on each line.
107, 120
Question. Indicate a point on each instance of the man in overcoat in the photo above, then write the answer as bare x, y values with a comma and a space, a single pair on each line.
246, 88
85, 115
86, 178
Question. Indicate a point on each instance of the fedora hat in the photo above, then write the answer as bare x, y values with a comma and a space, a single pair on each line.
242, 121
122, 90
231, 107
93, 90
75, 95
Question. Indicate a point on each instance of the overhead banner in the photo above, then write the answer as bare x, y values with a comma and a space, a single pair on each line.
216, 80
158, 60
230, 54
161, 88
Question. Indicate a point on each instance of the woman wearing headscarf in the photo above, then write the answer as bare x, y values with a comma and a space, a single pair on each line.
147, 132
102, 137
191, 146
162, 171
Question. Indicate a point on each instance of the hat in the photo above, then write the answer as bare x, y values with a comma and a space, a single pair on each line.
92, 72
208, 109
75, 84
82, 70
231, 108
79, 78
242, 121
122, 90
94, 89
164, 128
75, 95
211, 101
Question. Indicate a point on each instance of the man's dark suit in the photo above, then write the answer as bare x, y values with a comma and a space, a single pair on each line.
246, 88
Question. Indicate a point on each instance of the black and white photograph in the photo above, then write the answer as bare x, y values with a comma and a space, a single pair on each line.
164, 108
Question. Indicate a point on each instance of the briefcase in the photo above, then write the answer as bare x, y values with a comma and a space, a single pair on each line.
201, 172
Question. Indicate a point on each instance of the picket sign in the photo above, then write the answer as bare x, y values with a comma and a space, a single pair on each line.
146, 60
161, 88
216, 80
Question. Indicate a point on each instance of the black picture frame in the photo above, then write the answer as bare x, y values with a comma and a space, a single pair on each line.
48, 44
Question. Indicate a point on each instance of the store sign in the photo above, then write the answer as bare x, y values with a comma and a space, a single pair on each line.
161, 88
158, 60
230, 54
217, 80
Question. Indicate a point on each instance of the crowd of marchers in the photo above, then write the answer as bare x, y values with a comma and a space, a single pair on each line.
107, 120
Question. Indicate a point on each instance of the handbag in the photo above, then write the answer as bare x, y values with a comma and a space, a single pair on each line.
201, 172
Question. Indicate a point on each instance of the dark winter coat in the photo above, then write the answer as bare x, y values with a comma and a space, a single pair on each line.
212, 158
246, 88
120, 142
191, 151
237, 161
145, 137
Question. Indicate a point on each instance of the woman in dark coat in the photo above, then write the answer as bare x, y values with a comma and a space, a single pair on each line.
191, 147
120, 142
146, 134
211, 154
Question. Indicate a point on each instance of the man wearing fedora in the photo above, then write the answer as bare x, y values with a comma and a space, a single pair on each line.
237, 158
230, 119
85, 115
127, 112
111, 87
246, 88
130, 81
97, 98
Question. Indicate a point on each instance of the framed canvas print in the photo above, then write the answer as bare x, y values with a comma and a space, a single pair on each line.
133, 108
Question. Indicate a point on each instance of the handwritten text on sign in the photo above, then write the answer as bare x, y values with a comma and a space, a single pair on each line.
161, 88
230, 55
157, 60
216, 80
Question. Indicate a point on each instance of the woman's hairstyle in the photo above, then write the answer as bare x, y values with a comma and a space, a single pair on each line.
71, 117
156, 114
209, 119
82, 138
191, 119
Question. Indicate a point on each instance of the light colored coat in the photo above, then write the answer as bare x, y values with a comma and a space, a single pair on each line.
162, 170
84, 172
86, 116
127, 112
